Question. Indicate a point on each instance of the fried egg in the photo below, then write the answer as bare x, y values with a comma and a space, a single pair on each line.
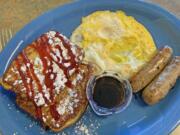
115, 42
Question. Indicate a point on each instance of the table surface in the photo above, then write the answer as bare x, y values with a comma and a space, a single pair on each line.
15, 14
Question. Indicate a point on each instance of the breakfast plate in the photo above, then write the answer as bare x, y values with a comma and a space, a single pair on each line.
138, 118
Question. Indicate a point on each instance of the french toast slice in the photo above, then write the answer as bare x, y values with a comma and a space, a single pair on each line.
49, 79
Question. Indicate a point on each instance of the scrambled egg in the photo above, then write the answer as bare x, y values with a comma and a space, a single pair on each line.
114, 41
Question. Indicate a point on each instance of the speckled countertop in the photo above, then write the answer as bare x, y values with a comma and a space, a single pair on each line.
14, 14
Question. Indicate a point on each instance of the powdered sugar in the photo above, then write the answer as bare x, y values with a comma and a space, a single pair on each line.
77, 79
15, 82
67, 64
28, 80
51, 34
39, 100
87, 125
67, 105
46, 92
54, 57
61, 109
71, 71
52, 76
60, 79
28, 65
38, 62
23, 68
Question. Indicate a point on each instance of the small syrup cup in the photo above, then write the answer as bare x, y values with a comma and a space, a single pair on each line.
102, 111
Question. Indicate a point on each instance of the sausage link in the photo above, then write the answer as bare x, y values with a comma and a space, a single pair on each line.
162, 84
152, 69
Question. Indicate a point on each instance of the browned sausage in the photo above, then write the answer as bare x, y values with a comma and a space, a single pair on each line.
153, 68
162, 84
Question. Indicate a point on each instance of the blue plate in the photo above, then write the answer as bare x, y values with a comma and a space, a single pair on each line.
138, 118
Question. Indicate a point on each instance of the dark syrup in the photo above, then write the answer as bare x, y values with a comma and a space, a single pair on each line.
108, 92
